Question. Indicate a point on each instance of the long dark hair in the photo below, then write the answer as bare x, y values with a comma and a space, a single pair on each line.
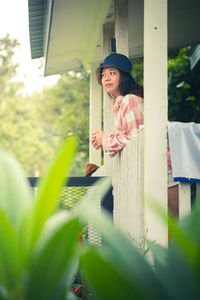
128, 85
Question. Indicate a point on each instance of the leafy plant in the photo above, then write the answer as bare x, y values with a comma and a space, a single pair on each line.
40, 251
38, 256
118, 270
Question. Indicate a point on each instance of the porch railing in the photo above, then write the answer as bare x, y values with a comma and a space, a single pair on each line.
75, 189
128, 189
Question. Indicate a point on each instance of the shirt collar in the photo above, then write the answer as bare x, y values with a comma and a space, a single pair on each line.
117, 103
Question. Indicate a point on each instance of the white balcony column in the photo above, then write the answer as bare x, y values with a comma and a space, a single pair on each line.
95, 113
155, 117
121, 26
108, 115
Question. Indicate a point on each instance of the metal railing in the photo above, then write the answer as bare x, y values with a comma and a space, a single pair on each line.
75, 188
72, 192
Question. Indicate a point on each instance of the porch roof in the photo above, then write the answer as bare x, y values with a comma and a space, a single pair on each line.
68, 33
65, 33
36, 26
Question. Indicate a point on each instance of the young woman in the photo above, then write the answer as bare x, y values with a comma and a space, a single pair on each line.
114, 74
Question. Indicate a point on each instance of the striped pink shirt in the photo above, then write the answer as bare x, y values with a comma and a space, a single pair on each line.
128, 111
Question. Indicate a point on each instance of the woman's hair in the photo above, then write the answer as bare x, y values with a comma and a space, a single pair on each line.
128, 85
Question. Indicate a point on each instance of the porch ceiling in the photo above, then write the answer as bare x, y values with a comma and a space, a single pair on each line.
71, 31
183, 24
68, 33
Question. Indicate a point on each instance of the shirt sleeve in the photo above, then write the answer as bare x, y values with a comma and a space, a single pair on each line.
128, 119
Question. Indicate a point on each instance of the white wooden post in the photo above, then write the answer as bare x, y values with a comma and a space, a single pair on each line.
95, 113
184, 193
120, 179
121, 26
108, 33
155, 116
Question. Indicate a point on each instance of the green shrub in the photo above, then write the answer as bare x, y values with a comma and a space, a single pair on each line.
40, 252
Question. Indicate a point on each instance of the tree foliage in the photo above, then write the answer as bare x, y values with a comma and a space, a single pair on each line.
34, 125
137, 71
8, 69
64, 110
20, 130
183, 87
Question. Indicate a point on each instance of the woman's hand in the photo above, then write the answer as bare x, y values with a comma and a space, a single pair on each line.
96, 139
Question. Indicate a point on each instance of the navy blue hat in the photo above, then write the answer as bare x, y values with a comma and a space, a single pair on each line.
116, 60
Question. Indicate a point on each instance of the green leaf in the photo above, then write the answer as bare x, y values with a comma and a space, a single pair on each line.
191, 98
107, 281
54, 259
50, 187
191, 223
9, 256
176, 275
182, 236
71, 296
160, 254
186, 243
3, 293
171, 271
14, 189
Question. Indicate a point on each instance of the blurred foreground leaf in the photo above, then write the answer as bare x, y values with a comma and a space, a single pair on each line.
14, 189
50, 187
53, 259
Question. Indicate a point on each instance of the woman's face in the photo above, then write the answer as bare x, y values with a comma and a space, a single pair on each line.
110, 80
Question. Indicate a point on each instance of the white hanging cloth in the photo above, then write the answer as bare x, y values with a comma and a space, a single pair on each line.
184, 144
